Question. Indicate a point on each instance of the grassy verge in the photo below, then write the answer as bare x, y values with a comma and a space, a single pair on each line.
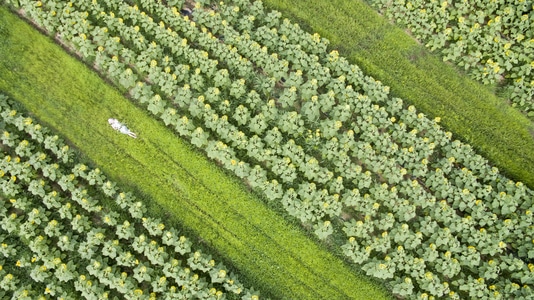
468, 109
69, 97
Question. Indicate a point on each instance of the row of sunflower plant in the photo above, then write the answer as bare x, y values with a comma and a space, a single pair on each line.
69, 232
503, 203
329, 144
492, 40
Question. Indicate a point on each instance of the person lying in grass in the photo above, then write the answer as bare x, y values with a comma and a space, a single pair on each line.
115, 124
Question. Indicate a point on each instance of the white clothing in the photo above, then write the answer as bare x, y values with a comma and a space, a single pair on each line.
115, 124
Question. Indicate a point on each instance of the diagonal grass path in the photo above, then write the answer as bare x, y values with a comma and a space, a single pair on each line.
468, 109
67, 96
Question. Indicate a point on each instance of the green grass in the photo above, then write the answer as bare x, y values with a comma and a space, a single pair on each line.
268, 250
468, 109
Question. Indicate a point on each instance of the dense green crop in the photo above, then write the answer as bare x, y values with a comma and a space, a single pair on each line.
493, 41
66, 237
472, 111
197, 193
314, 134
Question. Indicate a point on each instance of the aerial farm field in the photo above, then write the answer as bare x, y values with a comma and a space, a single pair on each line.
284, 150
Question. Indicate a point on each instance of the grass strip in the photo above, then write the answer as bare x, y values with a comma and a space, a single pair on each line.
67, 96
468, 109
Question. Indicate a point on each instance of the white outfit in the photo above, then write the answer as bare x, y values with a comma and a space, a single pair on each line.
115, 124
